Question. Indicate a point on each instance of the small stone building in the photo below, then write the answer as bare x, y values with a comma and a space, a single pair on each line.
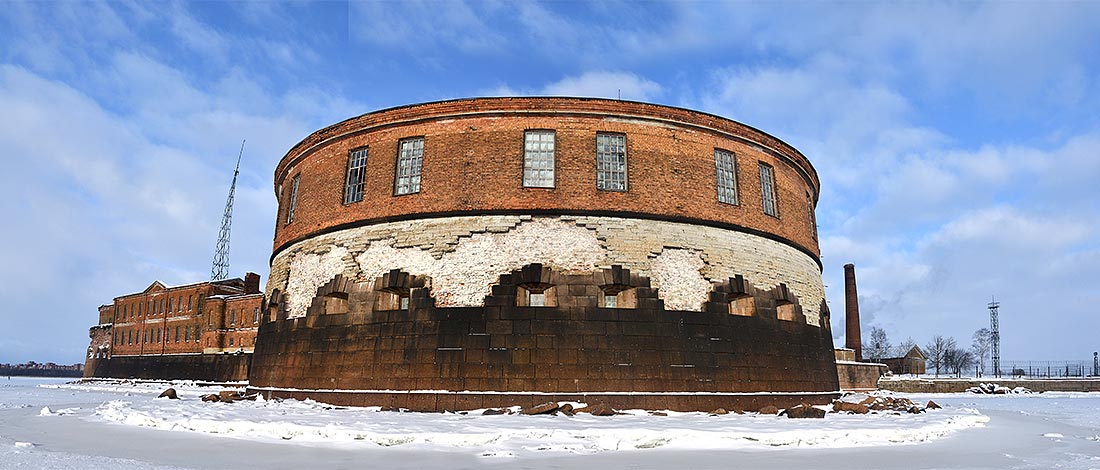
913, 362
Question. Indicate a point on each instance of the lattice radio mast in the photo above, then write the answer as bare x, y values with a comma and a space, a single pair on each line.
995, 326
220, 270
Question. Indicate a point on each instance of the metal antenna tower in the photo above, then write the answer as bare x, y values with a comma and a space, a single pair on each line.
220, 270
995, 326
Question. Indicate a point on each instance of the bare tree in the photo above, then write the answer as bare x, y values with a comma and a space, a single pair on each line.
983, 343
878, 346
904, 347
935, 351
956, 359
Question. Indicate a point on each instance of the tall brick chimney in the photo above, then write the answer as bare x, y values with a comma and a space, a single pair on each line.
851, 312
251, 283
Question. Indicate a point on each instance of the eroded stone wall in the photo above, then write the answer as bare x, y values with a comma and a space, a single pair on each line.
464, 256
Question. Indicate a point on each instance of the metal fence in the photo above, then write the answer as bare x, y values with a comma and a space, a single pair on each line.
1070, 368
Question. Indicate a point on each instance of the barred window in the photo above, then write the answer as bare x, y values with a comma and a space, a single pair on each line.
410, 158
726, 169
611, 162
293, 198
767, 190
357, 168
538, 159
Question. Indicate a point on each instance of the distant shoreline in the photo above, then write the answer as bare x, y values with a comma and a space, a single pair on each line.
21, 372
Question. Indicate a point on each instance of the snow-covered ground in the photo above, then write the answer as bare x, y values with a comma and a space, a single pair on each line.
47, 423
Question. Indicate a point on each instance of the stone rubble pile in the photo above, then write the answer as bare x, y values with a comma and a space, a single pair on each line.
873, 404
997, 389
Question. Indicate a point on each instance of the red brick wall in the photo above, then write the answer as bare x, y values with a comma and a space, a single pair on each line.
230, 323
474, 163
106, 314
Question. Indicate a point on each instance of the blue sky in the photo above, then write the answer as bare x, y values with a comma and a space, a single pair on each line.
958, 144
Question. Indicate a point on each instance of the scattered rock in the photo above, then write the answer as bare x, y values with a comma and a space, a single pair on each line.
493, 412
867, 401
738, 411
544, 408
169, 394
719, 411
915, 409
995, 389
389, 408
857, 408
566, 409
658, 413
213, 398
229, 396
804, 411
932, 405
598, 409
769, 410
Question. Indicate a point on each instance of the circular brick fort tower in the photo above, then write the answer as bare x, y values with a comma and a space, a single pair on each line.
512, 251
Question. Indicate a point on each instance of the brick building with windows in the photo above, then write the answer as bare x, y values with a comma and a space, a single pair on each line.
203, 331
498, 251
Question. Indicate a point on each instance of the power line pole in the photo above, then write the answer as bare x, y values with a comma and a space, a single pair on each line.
995, 326
220, 270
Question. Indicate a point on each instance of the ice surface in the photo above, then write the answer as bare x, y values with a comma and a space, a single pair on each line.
51, 424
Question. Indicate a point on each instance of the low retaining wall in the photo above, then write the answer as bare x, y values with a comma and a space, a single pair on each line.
949, 385
205, 367
859, 376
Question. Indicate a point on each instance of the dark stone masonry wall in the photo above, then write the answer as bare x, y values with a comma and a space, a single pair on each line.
642, 357
205, 367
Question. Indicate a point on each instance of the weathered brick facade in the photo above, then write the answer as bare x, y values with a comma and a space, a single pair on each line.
479, 291
139, 331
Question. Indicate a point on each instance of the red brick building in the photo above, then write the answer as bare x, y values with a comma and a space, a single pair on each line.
207, 318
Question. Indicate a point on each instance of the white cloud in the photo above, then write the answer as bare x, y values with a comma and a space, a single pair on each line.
606, 85
596, 84
107, 200
426, 27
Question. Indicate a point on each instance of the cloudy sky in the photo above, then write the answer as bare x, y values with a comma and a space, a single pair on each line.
958, 144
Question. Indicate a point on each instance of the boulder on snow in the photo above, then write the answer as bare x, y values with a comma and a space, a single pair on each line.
566, 409
857, 408
804, 411
544, 408
719, 411
229, 396
769, 410
169, 394
493, 412
598, 409
210, 397
932, 405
